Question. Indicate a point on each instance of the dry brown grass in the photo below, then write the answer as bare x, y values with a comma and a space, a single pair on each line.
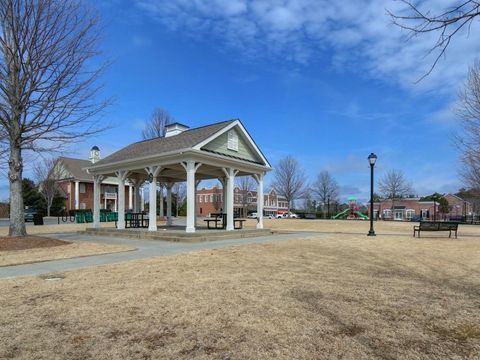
72, 250
337, 296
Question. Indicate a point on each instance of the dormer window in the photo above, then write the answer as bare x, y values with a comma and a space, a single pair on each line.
232, 140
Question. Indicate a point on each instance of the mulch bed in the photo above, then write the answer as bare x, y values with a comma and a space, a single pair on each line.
29, 242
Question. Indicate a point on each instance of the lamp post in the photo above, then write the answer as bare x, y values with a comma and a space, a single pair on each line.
371, 159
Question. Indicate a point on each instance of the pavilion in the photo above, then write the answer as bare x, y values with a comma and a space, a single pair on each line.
220, 151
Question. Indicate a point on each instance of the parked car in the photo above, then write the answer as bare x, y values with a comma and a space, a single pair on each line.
252, 215
29, 214
292, 216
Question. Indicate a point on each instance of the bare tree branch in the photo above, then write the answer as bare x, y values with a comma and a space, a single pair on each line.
47, 174
468, 140
246, 186
447, 24
48, 83
326, 188
290, 180
156, 126
393, 185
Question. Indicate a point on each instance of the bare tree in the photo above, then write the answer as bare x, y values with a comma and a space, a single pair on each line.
468, 110
326, 188
246, 185
48, 83
447, 24
393, 185
179, 190
156, 126
289, 180
47, 175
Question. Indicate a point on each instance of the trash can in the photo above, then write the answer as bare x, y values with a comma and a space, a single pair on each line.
37, 219
79, 217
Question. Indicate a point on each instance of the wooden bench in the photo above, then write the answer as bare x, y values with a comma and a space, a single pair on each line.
436, 226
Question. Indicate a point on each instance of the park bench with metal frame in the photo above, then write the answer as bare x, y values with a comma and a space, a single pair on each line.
436, 226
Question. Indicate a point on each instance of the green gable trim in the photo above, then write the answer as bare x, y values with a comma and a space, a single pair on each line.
245, 151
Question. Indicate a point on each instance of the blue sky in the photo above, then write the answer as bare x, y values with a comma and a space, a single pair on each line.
326, 83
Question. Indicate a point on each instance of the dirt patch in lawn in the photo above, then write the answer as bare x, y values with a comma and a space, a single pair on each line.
29, 242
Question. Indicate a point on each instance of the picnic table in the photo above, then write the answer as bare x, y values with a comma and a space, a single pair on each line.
220, 221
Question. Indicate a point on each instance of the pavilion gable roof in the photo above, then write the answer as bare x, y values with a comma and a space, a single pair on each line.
199, 139
185, 140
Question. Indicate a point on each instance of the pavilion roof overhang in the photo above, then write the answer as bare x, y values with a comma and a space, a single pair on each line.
211, 169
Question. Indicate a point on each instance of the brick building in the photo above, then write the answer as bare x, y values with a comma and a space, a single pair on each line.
76, 185
414, 208
210, 200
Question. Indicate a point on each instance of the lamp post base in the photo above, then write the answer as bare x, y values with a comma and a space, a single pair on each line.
371, 233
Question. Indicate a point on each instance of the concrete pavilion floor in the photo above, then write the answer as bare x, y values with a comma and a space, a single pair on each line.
177, 233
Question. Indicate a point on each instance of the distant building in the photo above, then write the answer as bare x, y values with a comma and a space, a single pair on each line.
409, 208
76, 184
210, 200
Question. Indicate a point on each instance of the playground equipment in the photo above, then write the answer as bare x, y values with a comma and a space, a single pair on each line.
351, 213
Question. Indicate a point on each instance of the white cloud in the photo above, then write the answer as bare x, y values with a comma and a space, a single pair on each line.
356, 35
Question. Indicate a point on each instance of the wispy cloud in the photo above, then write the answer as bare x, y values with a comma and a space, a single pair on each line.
355, 35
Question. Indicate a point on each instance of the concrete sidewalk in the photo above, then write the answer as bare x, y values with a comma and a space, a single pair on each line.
145, 249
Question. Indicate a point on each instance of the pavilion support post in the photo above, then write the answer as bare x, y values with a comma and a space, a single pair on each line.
230, 174
197, 182
77, 195
153, 172
152, 210
121, 177
259, 179
97, 181
223, 181
142, 198
161, 210
169, 204
190, 167
130, 197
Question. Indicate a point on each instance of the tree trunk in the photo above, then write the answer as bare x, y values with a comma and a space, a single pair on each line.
17, 219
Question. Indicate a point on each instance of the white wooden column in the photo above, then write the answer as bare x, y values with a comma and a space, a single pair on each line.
223, 181
196, 202
161, 210
130, 197
259, 179
153, 172
191, 168
97, 181
142, 198
169, 204
77, 195
230, 177
121, 177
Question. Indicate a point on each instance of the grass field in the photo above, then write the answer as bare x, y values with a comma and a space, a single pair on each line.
339, 295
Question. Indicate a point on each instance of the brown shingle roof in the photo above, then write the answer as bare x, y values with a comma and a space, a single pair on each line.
184, 140
76, 168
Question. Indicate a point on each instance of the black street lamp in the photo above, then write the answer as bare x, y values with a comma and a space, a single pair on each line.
371, 159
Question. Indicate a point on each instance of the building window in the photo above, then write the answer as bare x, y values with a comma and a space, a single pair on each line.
200, 198
387, 214
410, 213
82, 188
232, 143
83, 206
